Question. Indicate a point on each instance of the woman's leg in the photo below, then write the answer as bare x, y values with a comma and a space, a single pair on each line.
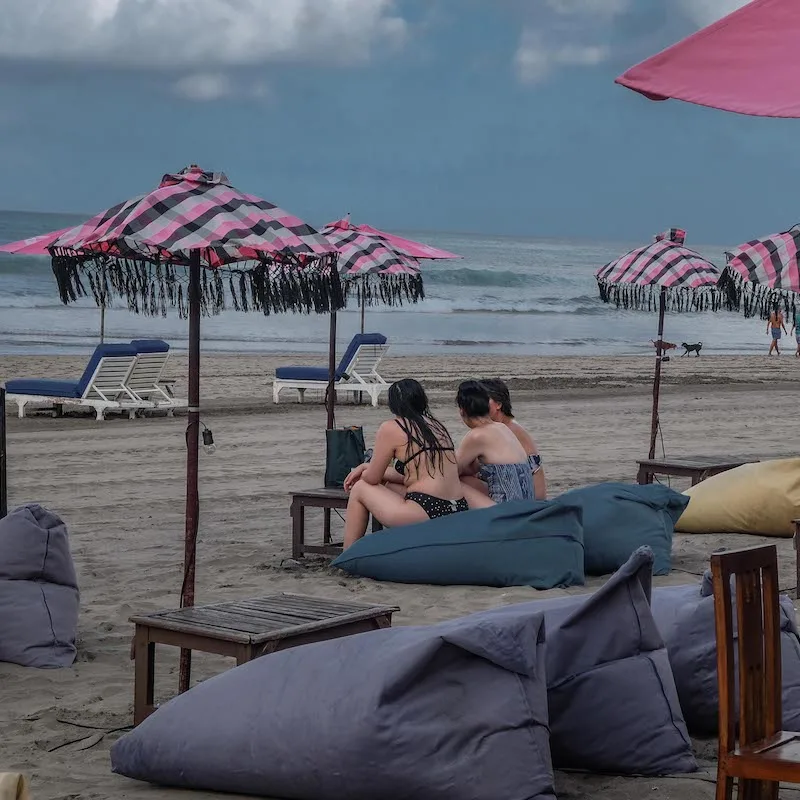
387, 507
475, 497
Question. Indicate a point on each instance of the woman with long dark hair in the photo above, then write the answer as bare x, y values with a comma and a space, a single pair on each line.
413, 450
500, 411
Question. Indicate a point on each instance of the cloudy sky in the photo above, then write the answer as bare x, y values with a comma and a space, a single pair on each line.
495, 116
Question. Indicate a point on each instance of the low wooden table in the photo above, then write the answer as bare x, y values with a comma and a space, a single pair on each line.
244, 630
698, 468
326, 499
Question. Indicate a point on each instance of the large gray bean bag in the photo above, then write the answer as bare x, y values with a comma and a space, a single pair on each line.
612, 698
451, 711
685, 617
38, 590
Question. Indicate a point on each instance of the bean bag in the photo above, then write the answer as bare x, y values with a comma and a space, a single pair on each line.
761, 498
38, 590
522, 543
620, 517
456, 710
685, 617
612, 698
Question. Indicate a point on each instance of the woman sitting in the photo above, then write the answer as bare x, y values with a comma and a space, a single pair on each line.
413, 449
500, 411
490, 452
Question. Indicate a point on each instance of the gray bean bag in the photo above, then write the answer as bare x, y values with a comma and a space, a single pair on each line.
685, 617
612, 698
451, 711
38, 590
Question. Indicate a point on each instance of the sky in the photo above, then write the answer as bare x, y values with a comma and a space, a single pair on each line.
485, 116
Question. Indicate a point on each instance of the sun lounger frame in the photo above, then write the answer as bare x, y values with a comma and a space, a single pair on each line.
361, 376
146, 385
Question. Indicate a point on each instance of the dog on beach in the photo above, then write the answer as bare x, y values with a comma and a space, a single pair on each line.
691, 348
663, 345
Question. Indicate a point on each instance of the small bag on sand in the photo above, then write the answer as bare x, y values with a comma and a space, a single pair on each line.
344, 450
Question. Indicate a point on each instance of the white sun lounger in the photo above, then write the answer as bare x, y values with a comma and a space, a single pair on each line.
145, 381
357, 371
101, 387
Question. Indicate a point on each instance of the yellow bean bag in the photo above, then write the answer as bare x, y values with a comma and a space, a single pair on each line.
761, 498
13, 786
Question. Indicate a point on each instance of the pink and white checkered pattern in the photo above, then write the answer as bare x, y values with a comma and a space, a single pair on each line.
771, 262
363, 254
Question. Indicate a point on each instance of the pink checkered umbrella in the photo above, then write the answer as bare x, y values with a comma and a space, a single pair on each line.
764, 272
660, 275
196, 226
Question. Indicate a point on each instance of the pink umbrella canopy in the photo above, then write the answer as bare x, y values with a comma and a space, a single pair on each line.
635, 280
34, 245
745, 62
411, 248
763, 272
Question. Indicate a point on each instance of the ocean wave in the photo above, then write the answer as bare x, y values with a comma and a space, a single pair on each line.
503, 278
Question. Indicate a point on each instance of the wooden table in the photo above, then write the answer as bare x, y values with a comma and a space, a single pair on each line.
796, 545
698, 468
244, 630
326, 499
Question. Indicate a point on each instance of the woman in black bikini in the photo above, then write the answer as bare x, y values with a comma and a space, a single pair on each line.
413, 449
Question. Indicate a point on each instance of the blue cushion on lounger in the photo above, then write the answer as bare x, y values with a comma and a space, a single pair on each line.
150, 346
618, 518
43, 387
521, 543
321, 373
51, 388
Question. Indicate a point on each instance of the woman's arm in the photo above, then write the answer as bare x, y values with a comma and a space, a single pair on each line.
539, 484
387, 440
468, 453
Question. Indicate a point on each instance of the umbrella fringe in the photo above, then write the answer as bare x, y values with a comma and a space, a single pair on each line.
755, 299
646, 298
151, 287
389, 290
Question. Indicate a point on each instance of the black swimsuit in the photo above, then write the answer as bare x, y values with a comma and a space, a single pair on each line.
433, 506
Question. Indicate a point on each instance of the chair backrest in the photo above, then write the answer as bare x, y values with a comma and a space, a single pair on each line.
756, 605
359, 340
148, 368
116, 351
367, 359
150, 346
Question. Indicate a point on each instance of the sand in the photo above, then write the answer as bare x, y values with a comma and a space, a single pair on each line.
119, 485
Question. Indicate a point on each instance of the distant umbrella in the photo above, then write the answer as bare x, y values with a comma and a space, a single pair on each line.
660, 275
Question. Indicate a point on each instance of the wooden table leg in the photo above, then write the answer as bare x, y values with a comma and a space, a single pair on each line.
796, 543
326, 526
643, 476
245, 653
144, 675
298, 515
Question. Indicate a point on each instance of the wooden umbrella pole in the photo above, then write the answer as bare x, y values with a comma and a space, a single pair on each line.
102, 324
192, 451
363, 310
331, 394
662, 304
3, 477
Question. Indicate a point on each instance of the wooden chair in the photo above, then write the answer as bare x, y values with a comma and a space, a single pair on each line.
765, 754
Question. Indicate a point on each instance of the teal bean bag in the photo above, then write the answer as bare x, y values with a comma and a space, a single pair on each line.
523, 543
618, 518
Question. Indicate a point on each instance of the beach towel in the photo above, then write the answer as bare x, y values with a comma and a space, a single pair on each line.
519, 543
620, 517
455, 710
38, 590
685, 617
610, 691
761, 498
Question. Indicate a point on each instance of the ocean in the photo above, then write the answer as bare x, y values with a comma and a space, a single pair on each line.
526, 296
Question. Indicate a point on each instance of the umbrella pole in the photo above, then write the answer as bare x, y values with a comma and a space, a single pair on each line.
192, 448
363, 309
3, 478
662, 304
102, 324
331, 394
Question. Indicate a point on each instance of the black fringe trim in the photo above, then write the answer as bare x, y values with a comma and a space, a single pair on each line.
151, 288
389, 290
646, 298
755, 299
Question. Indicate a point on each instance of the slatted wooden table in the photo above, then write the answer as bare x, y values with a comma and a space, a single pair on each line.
698, 468
244, 630
326, 499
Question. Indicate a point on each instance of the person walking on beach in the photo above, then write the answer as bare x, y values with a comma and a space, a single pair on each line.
490, 453
415, 452
796, 331
774, 326
500, 411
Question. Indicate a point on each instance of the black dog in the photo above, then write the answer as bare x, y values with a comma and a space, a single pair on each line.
691, 348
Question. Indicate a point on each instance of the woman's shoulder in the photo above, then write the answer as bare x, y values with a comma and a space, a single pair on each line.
391, 428
526, 440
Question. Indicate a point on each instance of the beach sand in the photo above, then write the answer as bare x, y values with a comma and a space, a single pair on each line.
119, 485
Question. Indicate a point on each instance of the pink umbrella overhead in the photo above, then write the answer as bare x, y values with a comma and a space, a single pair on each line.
745, 62
33, 245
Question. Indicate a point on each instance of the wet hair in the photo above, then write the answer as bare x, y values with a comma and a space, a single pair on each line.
407, 400
498, 391
473, 399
